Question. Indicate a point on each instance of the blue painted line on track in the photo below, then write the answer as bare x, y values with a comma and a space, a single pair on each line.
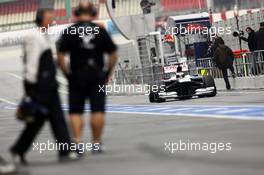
214, 111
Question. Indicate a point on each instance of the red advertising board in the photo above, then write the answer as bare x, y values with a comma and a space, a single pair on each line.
169, 5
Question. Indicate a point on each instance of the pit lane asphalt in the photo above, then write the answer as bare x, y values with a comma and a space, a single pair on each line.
135, 142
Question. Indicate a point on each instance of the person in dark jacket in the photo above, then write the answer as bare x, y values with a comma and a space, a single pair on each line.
251, 40
88, 72
260, 37
252, 45
214, 45
224, 58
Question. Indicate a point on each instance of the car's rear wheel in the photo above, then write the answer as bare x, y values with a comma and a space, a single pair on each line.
208, 81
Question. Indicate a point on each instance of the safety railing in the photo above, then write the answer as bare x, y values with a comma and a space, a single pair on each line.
248, 64
148, 75
245, 65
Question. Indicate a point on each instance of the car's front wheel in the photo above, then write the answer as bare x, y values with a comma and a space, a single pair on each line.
208, 81
154, 98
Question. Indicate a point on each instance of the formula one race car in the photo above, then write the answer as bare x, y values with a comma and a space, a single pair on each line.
177, 84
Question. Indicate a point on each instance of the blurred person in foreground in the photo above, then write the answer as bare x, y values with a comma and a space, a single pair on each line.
86, 73
40, 92
224, 58
6, 168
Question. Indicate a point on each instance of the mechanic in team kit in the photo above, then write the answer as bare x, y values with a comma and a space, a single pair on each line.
41, 99
86, 73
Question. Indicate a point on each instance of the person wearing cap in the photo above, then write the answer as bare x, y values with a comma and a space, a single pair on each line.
41, 89
86, 74
260, 37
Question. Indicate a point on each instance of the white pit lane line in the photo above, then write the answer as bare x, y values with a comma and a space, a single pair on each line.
14, 75
192, 115
7, 101
208, 110
177, 110
233, 111
61, 80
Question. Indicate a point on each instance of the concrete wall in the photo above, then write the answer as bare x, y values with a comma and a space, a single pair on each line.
242, 83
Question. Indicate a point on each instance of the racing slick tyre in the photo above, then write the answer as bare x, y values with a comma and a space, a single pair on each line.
184, 93
208, 81
154, 98
184, 97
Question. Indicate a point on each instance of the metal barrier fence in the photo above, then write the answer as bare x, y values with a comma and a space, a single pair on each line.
245, 65
248, 64
147, 75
